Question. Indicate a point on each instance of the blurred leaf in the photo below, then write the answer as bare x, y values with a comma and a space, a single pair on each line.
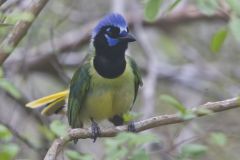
9, 88
59, 128
46, 132
173, 102
151, 9
118, 153
188, 115
234, 5
193, 150
18, 16
208, 7
1, 73
218, 138
74, 155
3, 30
5, 134
136, 139
142, 139
234, 27
140, 154
218, 39
7, 47
173, 5
203, 111
8, 151
5, 25
127, 144
130, 116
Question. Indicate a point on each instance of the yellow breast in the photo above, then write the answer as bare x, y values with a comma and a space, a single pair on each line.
109, 97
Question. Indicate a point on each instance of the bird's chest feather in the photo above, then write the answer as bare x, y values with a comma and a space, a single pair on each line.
108, 97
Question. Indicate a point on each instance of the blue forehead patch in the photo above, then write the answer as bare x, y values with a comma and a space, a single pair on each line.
113, 19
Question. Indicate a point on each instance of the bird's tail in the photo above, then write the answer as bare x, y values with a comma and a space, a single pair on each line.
51, 104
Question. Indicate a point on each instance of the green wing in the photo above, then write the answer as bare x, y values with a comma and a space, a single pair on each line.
137, 77
78, 90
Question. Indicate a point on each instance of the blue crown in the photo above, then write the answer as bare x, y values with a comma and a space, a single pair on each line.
113, 19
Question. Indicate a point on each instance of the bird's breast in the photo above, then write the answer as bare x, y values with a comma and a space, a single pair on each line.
108, 97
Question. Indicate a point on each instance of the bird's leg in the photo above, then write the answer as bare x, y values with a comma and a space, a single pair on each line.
95, 130
131, 127
117, 120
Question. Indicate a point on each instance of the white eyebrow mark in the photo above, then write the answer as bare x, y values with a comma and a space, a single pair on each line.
122, 29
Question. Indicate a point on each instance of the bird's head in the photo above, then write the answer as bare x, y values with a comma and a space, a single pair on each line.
112, 32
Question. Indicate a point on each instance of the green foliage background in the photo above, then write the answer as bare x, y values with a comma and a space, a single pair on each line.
203, 56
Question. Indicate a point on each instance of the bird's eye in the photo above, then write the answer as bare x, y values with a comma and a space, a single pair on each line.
109, 30
113, 32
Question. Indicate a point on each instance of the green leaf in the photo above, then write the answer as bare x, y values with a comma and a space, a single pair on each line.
208, 7
127, 144
151, 9
19, 16
142, 139
8, 151
130, 116
74, 155
140, 154
218, 138
173, 102
173, 5
188, 115
46, 132
234, 27
203, 111
58, 128
194, 150
119, 153
234, 5
7, 48
218, 39
10, 88
136, 139
5, 134
1, 72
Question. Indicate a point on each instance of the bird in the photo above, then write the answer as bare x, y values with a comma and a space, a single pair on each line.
106, 84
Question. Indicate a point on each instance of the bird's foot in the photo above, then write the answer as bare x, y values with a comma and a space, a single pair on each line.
95, 130
131, 127
117, 120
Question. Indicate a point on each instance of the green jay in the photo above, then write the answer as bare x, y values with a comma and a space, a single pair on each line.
105, 86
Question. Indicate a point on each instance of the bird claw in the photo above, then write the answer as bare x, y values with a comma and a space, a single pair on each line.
95, 131
131, 127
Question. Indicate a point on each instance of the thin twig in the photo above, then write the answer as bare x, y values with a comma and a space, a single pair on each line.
2, 1
19, 31
149, 123
21, 138
75, 39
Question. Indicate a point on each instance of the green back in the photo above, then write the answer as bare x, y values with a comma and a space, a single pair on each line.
78, 90
137, 77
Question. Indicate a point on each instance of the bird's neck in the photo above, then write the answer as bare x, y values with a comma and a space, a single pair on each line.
110, 62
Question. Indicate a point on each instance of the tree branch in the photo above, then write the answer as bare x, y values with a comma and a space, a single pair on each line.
153, 122
75, 39
2, 1
19, 31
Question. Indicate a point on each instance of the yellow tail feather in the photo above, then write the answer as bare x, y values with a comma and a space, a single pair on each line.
49, 99
56, 106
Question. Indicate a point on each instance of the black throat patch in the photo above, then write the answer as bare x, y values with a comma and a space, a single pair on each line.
110, 62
